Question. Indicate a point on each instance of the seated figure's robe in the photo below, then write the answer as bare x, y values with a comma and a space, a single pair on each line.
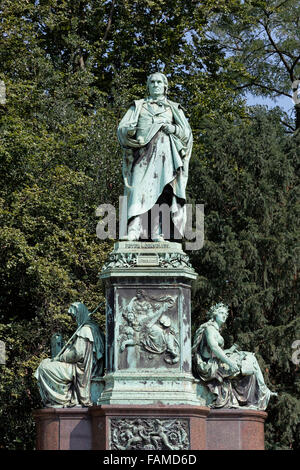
66, 382
243, 388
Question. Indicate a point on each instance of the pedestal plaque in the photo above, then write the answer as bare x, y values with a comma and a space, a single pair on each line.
149, 427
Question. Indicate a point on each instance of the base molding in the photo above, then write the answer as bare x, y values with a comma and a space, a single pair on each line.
63, 429
149, 427
235, 429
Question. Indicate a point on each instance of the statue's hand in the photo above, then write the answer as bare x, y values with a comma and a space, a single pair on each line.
234, 348
168, 128
233, 367
131, 132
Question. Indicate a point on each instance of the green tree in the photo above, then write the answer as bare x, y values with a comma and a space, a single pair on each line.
247, 178
70, 70
261, 39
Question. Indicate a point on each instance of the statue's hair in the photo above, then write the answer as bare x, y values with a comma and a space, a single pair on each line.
214, 309
164, 78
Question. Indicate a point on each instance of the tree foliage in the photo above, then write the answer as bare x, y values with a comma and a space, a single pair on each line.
250, 259
70, 71
261, 39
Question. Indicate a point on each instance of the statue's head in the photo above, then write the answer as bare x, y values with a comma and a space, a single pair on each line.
157, 81
79, 311
129, 315
216, 310
140, 294
165, 321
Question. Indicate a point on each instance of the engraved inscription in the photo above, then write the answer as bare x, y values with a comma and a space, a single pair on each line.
132, 260
147, 260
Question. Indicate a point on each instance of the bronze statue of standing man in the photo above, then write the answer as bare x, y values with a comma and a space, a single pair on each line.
157, 143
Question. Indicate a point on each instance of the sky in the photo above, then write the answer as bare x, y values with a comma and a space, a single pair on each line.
284, 102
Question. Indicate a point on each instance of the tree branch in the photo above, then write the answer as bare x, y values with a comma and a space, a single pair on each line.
81, 63
288, 125
290, 72
260, 85
109, 23
295, 62
281, 4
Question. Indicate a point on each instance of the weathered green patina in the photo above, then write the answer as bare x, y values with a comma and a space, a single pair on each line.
157, 143
65, 380
230, 378
148, 326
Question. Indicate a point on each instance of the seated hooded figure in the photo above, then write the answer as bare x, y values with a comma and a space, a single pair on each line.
65, 381
157, 143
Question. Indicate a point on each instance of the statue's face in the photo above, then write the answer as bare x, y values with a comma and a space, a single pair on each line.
73, 311
221, 315
156, 86
130, 316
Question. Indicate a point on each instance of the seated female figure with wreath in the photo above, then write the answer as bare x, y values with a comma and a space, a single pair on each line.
232, 376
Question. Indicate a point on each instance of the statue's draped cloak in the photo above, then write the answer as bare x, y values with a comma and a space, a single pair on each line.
66, 382
160, 160
244, 388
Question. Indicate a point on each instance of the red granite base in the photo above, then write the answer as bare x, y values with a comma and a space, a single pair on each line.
230, 429
194, 418
92, 428
63, 429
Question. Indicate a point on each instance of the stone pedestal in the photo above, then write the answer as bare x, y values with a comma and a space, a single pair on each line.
148, 396
148, 327
149, 427
63, 429
240, 429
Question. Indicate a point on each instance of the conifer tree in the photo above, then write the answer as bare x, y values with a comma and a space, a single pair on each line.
247, 177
